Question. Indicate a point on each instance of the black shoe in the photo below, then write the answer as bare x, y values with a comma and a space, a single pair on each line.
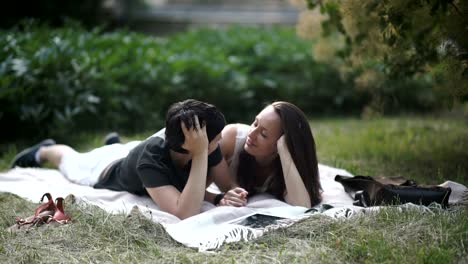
111, 138
26, 158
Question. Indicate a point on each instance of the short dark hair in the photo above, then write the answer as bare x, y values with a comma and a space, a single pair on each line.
208, 115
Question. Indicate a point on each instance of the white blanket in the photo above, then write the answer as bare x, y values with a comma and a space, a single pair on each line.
205, 231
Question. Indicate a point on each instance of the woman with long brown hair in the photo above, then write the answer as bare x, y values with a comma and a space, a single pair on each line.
275, 154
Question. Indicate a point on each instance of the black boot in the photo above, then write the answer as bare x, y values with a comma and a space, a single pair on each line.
112, 138
26, 158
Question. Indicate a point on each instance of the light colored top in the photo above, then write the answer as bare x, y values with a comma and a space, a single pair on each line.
241, 137
233, 161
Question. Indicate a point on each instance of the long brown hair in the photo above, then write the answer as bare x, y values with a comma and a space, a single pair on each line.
301, 145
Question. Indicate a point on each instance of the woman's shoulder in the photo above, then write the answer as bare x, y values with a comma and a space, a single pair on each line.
229, 136
232, 128
232, 131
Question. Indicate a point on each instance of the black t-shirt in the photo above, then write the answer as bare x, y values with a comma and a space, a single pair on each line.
149, 165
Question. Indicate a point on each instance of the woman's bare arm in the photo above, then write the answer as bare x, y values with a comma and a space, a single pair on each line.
296, 192
235, 195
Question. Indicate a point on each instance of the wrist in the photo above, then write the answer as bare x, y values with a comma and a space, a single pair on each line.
218, 198
201, 152
283, 152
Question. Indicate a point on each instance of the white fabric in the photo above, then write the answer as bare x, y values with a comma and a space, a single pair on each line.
85, 168
208, 230
205, 231
459, 192
333, 192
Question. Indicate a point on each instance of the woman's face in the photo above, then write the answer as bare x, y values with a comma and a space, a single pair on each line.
264, 133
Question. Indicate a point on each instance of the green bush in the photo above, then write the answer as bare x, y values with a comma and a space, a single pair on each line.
61, 80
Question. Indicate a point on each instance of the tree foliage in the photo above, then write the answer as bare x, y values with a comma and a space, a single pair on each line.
394, 40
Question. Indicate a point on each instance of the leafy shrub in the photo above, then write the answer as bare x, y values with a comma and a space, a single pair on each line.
61, 80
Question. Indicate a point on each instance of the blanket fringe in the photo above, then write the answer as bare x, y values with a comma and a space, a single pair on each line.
464, 198
241, 233
236, 234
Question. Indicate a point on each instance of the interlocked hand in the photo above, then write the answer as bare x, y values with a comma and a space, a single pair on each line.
235, 197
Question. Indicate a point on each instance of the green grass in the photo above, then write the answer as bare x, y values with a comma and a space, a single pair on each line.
429, 150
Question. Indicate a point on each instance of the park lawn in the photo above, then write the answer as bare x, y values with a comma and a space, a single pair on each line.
429, 150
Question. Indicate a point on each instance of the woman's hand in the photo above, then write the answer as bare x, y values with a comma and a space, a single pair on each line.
235, 197
281, 144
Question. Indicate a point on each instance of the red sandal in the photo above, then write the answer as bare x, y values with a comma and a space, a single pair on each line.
46, 213
49, 206
59, 215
